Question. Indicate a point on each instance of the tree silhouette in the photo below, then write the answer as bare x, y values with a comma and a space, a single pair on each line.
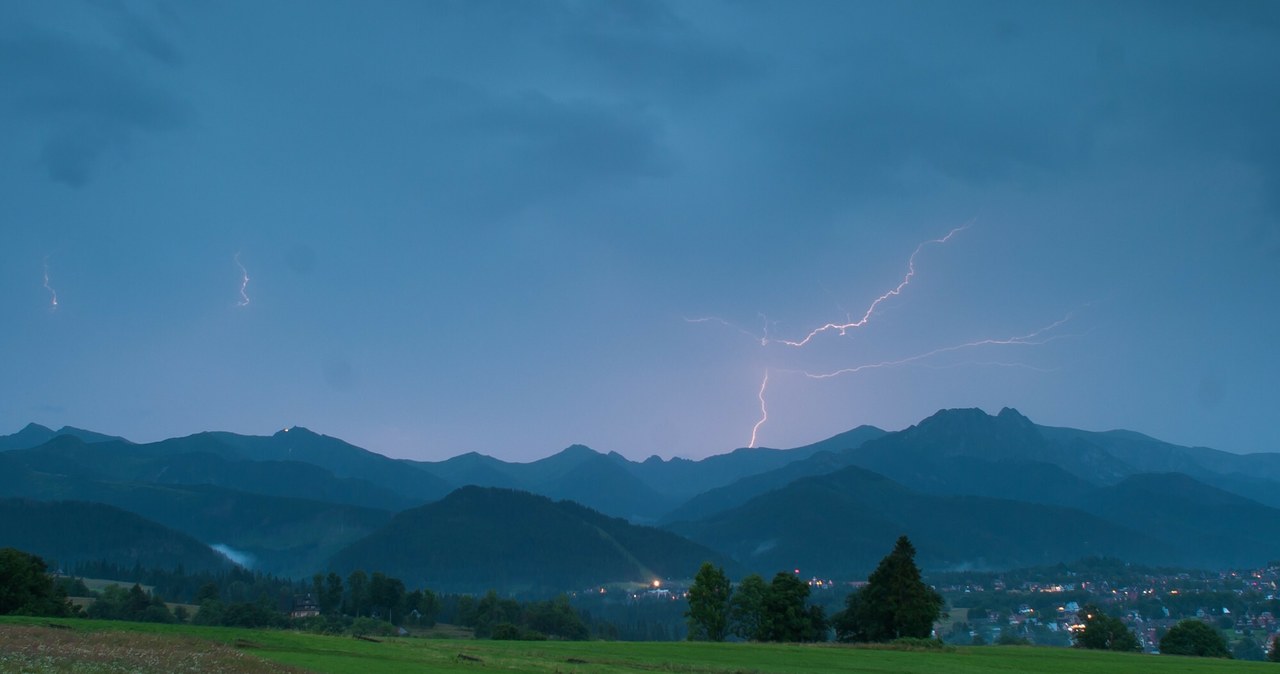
895, 603
26, 588
746, 608
1192, 637
786, 618
708, 613
1105, 633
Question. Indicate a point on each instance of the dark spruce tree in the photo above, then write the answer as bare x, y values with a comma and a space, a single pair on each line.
1192, 637
894, 604
1274, 654
1105, 633
708, 613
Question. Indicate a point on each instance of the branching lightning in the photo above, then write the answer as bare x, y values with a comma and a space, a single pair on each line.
53, 294
1035, 338
849, 324
842, 328
1038, 337
244, 282
764, 409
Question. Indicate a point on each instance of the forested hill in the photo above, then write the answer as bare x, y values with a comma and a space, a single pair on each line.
72, 531
479, 538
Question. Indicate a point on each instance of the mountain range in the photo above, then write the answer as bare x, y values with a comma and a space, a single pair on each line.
971, 489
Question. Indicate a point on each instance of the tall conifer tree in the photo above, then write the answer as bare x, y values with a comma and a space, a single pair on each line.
895, 603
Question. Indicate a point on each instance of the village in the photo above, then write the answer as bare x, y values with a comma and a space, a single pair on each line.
1047, 606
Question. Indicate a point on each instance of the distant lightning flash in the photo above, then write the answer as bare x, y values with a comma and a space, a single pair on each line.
244, 282
843, 328
53, 294
1034, 338
764, 409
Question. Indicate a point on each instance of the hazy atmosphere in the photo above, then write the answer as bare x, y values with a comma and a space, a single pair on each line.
432, 228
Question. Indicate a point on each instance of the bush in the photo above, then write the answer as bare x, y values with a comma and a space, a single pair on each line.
1011, 639
372, 627
911, 644
919, 644
1192, 637
509, 632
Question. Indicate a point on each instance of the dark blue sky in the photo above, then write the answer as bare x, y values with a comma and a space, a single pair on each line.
486, 225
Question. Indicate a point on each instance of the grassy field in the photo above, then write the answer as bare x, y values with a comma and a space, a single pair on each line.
30, 645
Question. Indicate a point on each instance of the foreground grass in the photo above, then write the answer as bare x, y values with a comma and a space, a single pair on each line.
89, 646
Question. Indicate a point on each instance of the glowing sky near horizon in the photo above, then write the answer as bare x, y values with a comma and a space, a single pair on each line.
508, 227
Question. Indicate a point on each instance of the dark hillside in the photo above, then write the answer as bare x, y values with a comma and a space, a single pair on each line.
73, 531
479, 538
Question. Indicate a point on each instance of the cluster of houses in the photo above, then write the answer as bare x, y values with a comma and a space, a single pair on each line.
1148, 605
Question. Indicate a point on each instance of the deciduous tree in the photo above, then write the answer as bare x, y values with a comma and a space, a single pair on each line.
26, 588
746, 608
1105, 633
786, 617
1192, 637
708, 614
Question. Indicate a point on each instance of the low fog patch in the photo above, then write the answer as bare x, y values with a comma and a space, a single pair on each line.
237, 557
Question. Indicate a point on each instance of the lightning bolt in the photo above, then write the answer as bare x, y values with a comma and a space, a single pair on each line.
849, 324
1043, 335
843, 328
764, 409
244, 282
53, 294
1034, 338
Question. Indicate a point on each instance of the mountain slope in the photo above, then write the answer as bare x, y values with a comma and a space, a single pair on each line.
578, 473
164, 463
640, 491
683, 479
479, 538
71, 531
30, 436
1209, 526
286, 536
971, 433
744, 489
340, 458
840, 524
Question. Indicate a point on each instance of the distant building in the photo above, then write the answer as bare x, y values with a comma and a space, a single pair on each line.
304, 607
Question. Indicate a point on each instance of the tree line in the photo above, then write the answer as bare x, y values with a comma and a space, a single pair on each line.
894, 604
361, 603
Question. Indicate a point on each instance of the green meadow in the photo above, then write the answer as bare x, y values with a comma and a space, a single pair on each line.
86, 646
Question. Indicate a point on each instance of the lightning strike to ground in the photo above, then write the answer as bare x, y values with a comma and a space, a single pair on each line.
53, 294
764, 409
244, 282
